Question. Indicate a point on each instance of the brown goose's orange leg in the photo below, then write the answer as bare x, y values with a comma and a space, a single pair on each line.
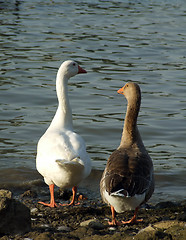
52, 201
134, 218
114, 222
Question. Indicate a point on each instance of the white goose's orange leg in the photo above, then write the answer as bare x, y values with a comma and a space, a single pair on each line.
134, 218
52, 201
74, 191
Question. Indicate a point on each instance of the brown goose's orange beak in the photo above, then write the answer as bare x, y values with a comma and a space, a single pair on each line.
121, 90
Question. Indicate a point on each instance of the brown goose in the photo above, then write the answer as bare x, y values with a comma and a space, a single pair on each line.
128, 180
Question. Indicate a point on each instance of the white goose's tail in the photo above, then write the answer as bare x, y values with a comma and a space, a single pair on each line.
75, 165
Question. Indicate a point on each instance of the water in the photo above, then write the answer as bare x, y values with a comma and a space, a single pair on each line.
116, 42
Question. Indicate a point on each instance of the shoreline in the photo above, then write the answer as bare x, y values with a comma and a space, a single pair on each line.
89, 220
167, 186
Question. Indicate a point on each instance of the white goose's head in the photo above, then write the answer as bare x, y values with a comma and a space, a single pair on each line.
70, 68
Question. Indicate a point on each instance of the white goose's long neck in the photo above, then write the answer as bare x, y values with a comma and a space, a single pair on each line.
63, 116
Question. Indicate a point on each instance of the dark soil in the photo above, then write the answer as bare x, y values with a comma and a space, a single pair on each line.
162, 221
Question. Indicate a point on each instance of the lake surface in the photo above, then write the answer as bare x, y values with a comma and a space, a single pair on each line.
116, 42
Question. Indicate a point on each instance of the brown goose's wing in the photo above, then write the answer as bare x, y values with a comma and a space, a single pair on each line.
128, 174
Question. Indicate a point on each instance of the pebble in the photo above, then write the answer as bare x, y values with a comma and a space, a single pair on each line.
33, 210
167, 204
147, 229
40, 215
29, 193
93, 223
44, 226
182, 216
63, 229
112, 228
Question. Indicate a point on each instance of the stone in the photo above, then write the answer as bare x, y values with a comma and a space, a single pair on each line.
145, 233
63, 229
34, 210
147, 229
45, 226
112, 228
167, 204
93, 223
43, 236
29, 193
182, 216
5, 194
166, 224
14, 216
159, 234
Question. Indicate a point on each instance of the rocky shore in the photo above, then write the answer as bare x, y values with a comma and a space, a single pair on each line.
23, 218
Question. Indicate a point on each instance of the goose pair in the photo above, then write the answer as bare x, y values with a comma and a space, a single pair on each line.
127, 181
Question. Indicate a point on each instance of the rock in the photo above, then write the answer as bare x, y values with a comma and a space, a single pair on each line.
63, 229
166, 224
177, 231
149, 234
159, 234
86, 223
163, 230
147, 229
183, 203
93, 223
43, 236
182, 216
112, 228
145, 233
167, 204
63, 194
5, 194
45, 226
14, 215
34, 210
29, 193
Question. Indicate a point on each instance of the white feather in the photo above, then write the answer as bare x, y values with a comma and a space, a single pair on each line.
121, 203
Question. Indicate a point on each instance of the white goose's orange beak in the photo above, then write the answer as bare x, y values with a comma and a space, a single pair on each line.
121, 90
81, 70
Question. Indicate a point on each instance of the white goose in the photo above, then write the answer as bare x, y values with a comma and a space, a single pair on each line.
128, 179
61, 153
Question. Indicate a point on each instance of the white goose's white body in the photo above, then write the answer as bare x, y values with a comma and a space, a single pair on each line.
62, 159
61, 153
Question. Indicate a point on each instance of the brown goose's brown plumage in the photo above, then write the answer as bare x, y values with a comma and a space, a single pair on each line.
127, 180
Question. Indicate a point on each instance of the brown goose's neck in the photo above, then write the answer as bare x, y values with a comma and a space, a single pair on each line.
130, 134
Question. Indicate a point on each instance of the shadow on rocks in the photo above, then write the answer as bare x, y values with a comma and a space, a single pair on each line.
14, 215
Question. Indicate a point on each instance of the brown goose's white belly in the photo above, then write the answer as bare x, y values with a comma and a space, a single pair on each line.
122, 204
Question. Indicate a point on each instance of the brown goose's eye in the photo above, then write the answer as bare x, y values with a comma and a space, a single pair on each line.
74, 64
